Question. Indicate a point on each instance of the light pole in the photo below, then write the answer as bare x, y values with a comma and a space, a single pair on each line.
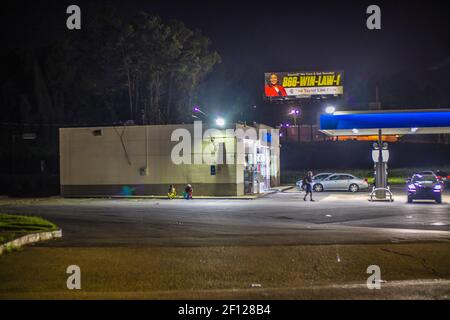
295, 113
219, 121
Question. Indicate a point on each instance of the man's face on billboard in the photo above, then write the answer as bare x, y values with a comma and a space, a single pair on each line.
273, 79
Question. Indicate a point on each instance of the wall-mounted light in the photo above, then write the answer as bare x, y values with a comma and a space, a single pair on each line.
220, 122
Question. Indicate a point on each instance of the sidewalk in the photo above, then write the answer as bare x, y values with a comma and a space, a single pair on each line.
244, 197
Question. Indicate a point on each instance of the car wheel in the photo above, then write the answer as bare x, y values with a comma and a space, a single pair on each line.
439, 199
410, 200
353, 188
318, 187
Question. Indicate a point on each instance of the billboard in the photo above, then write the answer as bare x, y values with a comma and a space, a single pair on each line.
293, 85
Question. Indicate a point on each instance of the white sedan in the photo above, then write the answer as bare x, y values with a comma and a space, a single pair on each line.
340, 181
317, 177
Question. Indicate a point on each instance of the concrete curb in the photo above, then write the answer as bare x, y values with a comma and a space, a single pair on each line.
30, 238
176, 198
284, 188
262, 195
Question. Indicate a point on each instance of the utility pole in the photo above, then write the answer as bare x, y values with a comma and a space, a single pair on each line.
377, 104
377, 98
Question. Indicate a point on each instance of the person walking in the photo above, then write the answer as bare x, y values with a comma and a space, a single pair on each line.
307, 182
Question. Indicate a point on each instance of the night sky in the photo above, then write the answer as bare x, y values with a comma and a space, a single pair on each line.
254, 37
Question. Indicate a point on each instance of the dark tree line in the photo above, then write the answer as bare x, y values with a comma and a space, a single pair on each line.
145, 70
112, 71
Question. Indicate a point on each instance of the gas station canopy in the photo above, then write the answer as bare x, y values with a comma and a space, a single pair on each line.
392, 122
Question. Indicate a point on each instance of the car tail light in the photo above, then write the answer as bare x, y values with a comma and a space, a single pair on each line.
439, 177
448, 177
366, 181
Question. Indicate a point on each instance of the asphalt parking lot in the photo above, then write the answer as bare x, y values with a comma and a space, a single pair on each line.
279, 218
221, 249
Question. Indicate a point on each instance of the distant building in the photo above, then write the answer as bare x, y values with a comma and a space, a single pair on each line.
136, 160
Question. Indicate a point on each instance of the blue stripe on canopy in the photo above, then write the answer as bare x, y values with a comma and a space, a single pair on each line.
385, 120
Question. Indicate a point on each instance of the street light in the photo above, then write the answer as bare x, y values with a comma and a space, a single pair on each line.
220, 121
295, 113
197, 109
330, 109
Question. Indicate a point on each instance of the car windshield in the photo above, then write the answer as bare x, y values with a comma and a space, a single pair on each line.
420, 178
321, 176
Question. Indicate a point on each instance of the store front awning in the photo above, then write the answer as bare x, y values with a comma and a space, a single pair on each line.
393, 122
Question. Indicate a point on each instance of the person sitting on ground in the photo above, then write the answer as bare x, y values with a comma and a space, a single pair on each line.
172, 192
188, 192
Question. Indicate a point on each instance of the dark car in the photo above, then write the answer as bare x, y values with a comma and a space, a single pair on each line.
443, 177
424, 187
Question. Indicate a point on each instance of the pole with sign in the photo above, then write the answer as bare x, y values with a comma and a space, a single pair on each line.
380, 155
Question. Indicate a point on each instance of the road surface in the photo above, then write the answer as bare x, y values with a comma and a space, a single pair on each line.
282, 218
275, 247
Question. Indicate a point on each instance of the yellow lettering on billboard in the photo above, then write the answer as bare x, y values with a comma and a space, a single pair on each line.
290, 81
322, 79
303, 81
330, 80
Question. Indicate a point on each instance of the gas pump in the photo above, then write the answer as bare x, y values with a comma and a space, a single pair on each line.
380, 156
